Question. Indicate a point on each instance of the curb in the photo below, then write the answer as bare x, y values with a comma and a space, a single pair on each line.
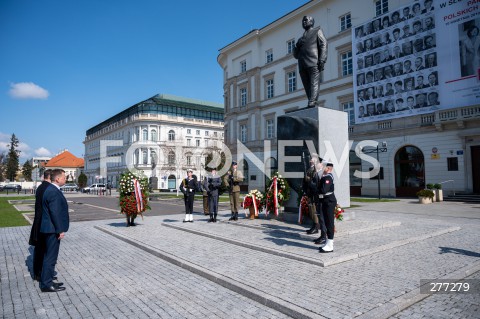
264, 298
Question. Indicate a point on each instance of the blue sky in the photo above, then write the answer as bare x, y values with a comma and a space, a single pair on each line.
67, 65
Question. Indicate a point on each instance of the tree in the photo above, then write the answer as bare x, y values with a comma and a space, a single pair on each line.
3, 162
27, 171
12, 158
82, 180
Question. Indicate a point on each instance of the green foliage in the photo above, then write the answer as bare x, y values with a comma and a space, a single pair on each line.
12, 159
437, 186
82, 180
27, 171
429, 186
425, 193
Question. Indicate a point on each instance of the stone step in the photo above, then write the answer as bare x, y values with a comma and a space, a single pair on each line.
225, 254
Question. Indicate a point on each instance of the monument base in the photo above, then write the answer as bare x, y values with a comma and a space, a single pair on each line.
324, 133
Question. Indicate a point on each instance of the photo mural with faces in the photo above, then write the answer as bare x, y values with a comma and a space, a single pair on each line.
395, 61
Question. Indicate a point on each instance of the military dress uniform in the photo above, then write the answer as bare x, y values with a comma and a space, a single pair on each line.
319, 208
212, 185
310, 191
234, 180
326, 191
206, 210
188, 186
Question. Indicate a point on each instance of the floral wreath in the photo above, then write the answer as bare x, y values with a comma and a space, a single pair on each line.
278, 192
339, 212
303, 209
254, 199
133, 194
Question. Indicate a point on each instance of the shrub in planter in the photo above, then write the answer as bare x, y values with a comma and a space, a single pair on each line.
425, 193
429, 186
438, 192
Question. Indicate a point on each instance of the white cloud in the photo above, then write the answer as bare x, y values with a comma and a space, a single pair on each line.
43, 152
27, 90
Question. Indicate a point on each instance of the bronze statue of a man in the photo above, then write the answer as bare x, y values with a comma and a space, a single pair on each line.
311, 52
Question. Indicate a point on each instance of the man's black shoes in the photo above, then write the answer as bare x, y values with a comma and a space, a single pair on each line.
320, 241
53, 289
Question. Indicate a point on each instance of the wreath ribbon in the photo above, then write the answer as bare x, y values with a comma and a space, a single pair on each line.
138, 196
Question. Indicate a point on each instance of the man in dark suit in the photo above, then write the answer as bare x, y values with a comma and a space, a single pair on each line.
188, 187
311, 52
54, 225
35, 237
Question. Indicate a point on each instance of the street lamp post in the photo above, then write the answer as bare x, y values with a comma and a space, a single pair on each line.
377, 150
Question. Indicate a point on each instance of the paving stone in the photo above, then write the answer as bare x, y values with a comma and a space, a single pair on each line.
107, 277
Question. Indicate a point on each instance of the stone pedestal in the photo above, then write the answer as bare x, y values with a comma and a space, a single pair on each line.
314, 130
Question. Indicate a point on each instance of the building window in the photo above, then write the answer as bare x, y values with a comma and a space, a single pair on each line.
189, 160
153, 135
189, 131
347, 63
345, 22
290, 46
215, 134
153, 157
243, 133
207, 133
171, 158
268, 56
270, 89
145, 134
189, 142
292, 81
243, 96
171, 135
145, 157
452, 163
348, 107
269, 126
243, 66
206, 143
198, 132
381, 7
197, 143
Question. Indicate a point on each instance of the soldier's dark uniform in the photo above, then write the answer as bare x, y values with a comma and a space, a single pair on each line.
309, 189
319, 208
326, 190
188, 188
212, 184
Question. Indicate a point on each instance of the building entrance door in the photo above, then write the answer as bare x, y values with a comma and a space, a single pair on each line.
409, 171
476, 168
172, 182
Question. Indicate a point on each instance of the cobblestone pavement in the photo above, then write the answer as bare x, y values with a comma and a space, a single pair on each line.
267, 269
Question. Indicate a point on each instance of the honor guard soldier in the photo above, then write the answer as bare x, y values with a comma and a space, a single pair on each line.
188, 187
234, 178
319, 203
212, 184
326, 192
206, 210
310, 190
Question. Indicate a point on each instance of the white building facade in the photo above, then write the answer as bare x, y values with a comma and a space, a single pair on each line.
261, 82
162, 136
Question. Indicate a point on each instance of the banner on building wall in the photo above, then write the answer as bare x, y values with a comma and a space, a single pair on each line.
417, 59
